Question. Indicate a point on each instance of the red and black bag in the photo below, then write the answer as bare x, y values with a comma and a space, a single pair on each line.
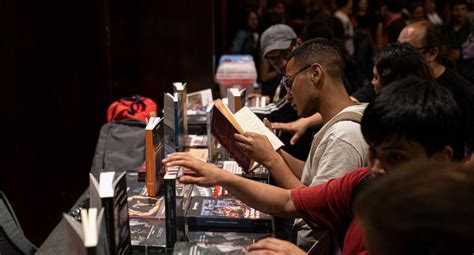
135, 107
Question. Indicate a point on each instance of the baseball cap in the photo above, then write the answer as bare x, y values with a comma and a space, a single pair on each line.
277, 37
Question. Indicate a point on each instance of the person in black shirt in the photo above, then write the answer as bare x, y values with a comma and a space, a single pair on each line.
426, 37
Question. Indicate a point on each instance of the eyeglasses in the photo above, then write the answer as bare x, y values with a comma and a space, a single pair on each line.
287, 81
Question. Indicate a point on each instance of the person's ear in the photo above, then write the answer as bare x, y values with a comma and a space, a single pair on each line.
432, 54
446, 154
316, 74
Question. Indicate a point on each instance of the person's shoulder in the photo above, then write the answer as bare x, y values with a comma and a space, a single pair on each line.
358, 174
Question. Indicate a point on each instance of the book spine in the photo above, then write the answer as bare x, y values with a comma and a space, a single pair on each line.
122, 227
170, 210
150, 164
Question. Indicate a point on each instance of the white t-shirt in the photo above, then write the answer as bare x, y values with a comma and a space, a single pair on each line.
342, 149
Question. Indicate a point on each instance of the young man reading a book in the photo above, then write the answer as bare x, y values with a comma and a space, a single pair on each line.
410, 120
315, 83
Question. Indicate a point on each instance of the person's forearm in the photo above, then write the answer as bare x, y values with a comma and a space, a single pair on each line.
283, 173
315, 120
263, 197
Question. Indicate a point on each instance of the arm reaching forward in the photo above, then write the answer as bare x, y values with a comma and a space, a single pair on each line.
263, 197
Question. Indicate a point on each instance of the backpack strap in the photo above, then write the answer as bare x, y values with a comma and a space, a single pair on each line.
344, 116
10, 225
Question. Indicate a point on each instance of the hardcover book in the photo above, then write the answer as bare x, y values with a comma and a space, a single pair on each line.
142, 206
225, 124
239, 238
236, 99
174, 125
110, 192
185, 248
148, 236
181, 89
155, 152
226, 214
198, 141
197, 102
175, 227
212, 141
88, 236
260, 174
216, 191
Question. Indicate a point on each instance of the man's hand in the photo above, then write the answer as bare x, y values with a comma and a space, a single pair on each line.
299, 126
274, 246
257, 147
209, 175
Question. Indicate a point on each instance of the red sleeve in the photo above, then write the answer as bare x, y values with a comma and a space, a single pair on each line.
328, 204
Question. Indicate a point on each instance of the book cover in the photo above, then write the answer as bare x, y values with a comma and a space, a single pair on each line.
216, 191
238, 238
198, 141
181, 89
185, 248
197, 102
155, 152
110, 192
148, 236
173, 124
226, 214
88, 236
260, 173
225, 124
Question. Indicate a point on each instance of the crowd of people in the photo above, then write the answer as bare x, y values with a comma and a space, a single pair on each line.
381, 94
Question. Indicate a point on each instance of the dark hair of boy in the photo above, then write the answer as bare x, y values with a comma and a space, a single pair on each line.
396, 61
420, 118
419, 209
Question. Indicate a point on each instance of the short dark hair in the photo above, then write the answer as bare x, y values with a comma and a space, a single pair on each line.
396, 61
458, 2
419, 209
418, 110
323, 52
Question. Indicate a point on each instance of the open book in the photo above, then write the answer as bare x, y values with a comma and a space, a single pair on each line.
88, 236
224, 125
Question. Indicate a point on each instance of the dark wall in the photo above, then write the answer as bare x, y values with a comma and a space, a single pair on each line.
62, 64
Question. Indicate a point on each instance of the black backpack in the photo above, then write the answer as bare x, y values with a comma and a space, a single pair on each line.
120, 146
12, 238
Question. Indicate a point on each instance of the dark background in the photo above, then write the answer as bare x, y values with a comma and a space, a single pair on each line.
64, 62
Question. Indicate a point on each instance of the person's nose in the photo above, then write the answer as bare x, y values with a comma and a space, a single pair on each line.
376, 167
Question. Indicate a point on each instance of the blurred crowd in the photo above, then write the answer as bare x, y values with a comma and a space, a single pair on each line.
361, 27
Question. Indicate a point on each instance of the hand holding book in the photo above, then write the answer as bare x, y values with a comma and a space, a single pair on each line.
257, 147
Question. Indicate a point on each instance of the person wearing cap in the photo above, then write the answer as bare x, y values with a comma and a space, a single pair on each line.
276, 43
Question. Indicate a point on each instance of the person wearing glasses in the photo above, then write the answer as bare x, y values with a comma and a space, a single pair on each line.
314, 81
411, 119
427, 39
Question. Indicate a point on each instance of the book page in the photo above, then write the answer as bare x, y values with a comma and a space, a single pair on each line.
251, 123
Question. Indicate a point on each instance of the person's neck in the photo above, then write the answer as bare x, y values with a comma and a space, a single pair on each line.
334, 101
438, 69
